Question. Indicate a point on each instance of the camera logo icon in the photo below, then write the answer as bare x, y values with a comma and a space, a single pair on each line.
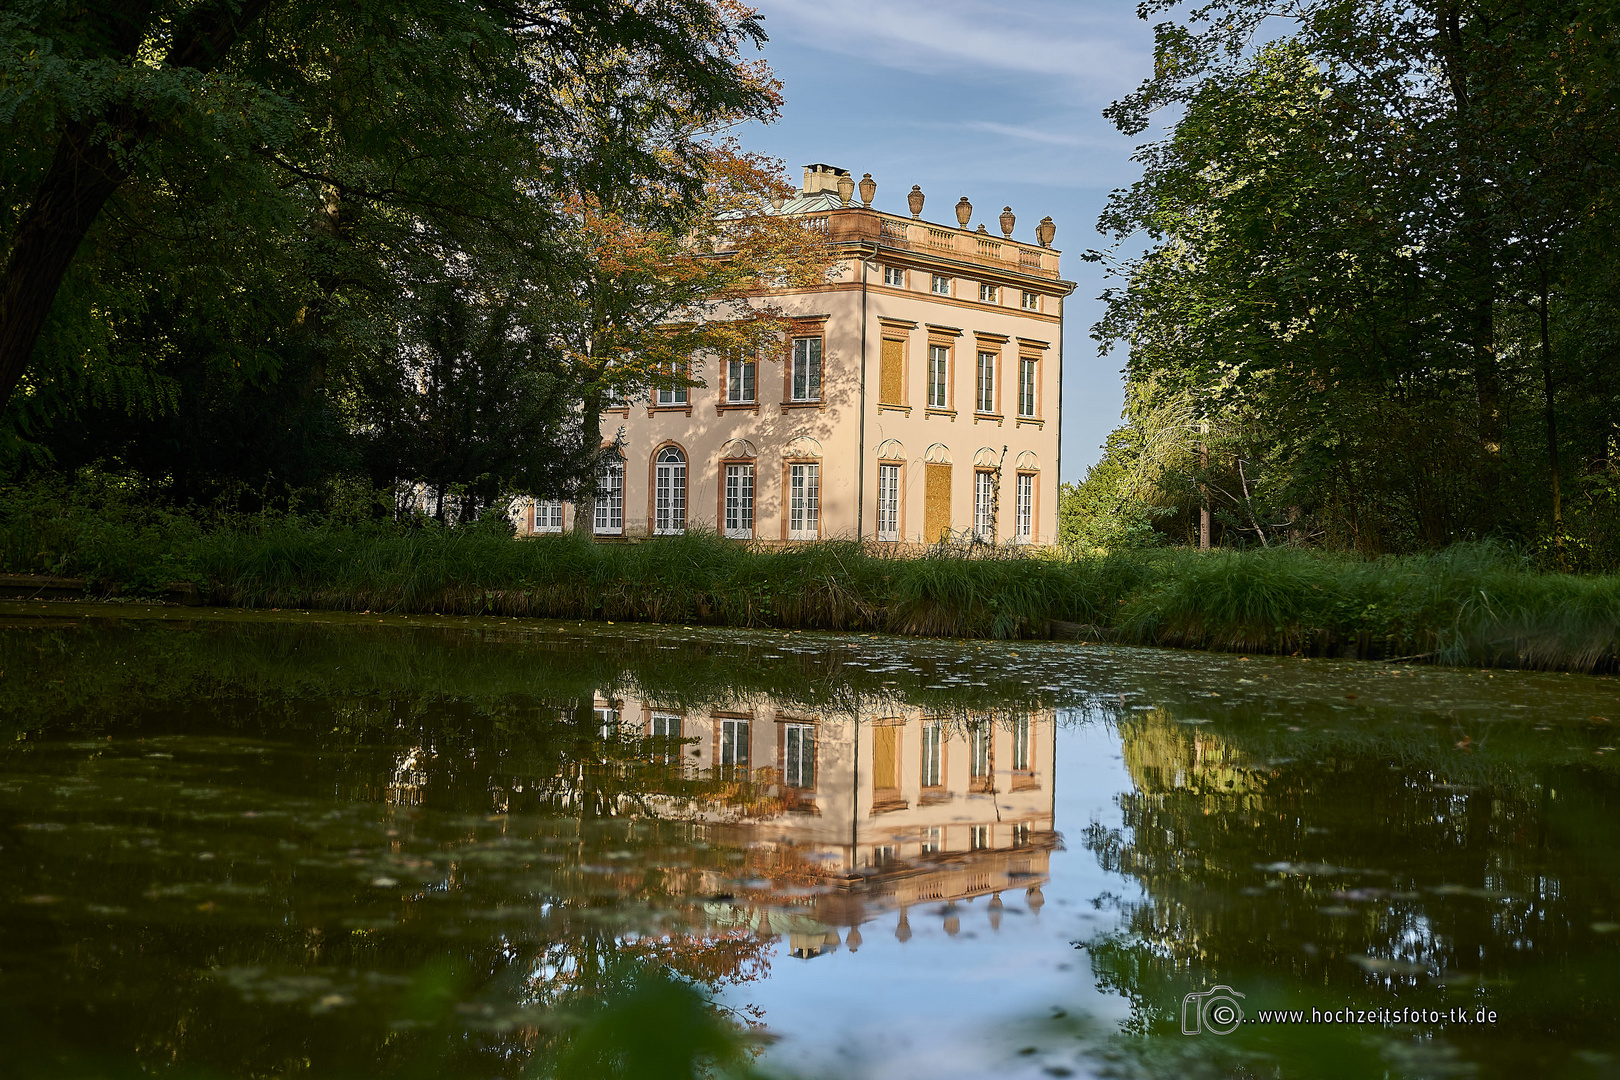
1214, 1010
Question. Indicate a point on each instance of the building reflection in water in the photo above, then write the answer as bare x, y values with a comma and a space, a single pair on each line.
843, 820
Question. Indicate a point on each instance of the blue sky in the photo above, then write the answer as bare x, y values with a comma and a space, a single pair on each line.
1001, 103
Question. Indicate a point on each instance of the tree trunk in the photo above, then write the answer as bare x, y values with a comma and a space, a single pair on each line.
591, 427
1552, 424
84, 173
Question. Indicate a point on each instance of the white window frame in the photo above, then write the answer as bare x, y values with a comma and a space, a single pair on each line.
607, 721
987, 292
610, 497
939, 285
895, 276
1031, 301
674, 396
985, 384
548, 516
734, 734
933, 841
1020, 743
799, 755
804, 500
1024, 509
888, 502
670, 469
739, 494
807, 369
979, 838
933, 754
939, 376
981, 735
665, 731
1029, 374
984, 505
742, 380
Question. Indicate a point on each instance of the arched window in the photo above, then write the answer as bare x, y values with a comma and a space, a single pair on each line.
610, 495
669, 492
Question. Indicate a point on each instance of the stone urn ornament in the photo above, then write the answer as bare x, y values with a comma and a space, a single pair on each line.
1007, 222
846, 188
915, 201
964, 211
868, 189
1045, 231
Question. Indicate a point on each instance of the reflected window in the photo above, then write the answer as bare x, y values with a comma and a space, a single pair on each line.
734, 744
933, 841
932, 753
884, 855
799, 755
1020, 743
1020, 834
607, 721
665, 731
979, 837
979, 745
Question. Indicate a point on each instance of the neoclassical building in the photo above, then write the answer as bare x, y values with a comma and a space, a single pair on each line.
921, 396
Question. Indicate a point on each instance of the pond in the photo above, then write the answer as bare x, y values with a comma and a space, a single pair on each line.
245, 845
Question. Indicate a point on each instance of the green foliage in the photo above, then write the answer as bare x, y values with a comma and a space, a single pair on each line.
1470, 603
1379, 266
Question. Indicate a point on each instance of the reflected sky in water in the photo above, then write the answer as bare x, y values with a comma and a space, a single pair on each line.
382, 846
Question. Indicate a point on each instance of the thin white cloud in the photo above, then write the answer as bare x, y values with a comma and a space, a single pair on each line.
1098, 51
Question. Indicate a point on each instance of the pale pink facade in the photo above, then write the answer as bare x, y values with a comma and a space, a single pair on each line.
937, 409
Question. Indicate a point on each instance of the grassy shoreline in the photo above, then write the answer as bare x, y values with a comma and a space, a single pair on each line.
1475, 604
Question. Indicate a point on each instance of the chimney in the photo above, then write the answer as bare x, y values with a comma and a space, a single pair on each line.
822, 178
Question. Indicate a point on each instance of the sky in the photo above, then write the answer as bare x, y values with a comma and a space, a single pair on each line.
999, 102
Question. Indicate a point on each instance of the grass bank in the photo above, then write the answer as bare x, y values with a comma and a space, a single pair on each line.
1471, 604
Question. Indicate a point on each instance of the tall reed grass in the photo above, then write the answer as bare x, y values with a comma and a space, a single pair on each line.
1469, 604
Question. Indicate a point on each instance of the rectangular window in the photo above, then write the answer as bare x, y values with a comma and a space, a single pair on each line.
607, 721
893, 275
741, 373
886, 757
799, 755
941, 285
979, 837
986, 383
740, 502
1024, 511
939, 366
734, 744
979, 738
888, 502
666, 738
933, 840
892, 372
804, 501
884, 855
673, 395
1027, 372
1020, 743
807, 369
547, 516
987, 293
1020, 834
1032, 301
610, 498
932, 753
984, 506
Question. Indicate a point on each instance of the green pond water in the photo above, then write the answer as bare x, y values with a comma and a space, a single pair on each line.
278, 845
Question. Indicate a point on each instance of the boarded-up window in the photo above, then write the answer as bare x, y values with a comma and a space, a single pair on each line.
886, 756
892, 372
937, 503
